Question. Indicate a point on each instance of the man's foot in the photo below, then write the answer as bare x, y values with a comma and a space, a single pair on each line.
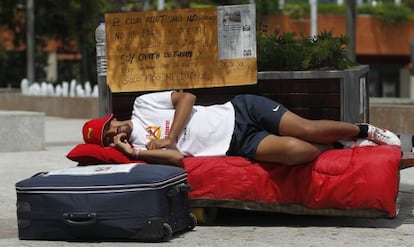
356, 142
382, 136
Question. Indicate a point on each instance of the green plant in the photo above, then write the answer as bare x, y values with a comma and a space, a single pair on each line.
267, 8
409, 3
388, 12
295, 10
303, 9
290, 51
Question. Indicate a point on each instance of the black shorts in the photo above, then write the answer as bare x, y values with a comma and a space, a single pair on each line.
255, 118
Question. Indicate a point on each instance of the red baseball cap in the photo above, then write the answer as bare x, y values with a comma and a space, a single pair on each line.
93, 129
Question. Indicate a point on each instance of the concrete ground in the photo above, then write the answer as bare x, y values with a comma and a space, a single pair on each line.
234, 228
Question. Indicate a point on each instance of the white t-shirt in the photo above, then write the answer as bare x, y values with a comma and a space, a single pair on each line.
208, 131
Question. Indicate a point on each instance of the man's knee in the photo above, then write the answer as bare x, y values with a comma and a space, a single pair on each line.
309, 130
286, 150
299, 152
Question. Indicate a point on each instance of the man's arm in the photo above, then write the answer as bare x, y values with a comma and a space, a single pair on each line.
158, 156
158, 151
183, 103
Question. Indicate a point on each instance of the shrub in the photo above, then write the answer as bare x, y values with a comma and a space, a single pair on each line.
290, 51
387, 12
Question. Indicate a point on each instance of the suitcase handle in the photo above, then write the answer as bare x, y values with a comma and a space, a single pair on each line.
177, 189
184, 187
79, 219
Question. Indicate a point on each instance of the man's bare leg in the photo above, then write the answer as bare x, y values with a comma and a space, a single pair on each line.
302, 140
288, 150
316, 131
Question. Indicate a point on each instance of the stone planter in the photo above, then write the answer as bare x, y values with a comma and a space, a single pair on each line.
336, 94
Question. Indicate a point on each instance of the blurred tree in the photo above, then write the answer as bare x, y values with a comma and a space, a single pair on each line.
11, 13
409, 3
227, 2
263, 7
71, 22
12, 62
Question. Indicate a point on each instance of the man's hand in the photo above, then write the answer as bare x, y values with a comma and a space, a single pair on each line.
159, 144
158, 156
121, 143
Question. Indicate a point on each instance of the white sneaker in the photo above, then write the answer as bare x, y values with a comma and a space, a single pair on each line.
382, 136
357, 142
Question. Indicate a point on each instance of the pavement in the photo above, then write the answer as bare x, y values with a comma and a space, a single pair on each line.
233, 228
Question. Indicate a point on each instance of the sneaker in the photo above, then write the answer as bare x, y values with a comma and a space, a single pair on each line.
356, 142
382, 136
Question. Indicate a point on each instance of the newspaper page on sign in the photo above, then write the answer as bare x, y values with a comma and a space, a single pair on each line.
236, 31
184, 48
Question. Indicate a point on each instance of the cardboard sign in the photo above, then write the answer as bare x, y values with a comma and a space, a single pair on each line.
178, 49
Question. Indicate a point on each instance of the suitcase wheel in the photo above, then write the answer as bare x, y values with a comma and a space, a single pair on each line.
193, 222
205, 215
167, 232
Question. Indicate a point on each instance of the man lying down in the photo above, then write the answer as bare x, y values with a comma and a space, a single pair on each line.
166, 126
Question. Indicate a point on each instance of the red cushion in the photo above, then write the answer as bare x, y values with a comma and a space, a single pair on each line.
91, 154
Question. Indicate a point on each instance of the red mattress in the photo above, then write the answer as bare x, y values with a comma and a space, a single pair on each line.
362, 181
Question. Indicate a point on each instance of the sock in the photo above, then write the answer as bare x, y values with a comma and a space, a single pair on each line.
363, 131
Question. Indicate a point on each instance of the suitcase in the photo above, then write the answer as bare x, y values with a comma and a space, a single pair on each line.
105, 202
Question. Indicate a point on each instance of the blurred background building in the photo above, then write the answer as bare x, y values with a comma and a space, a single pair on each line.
58, 36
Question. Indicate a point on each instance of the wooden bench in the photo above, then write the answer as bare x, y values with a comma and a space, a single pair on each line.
314, 98
307, 189
311, 98
336, 95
